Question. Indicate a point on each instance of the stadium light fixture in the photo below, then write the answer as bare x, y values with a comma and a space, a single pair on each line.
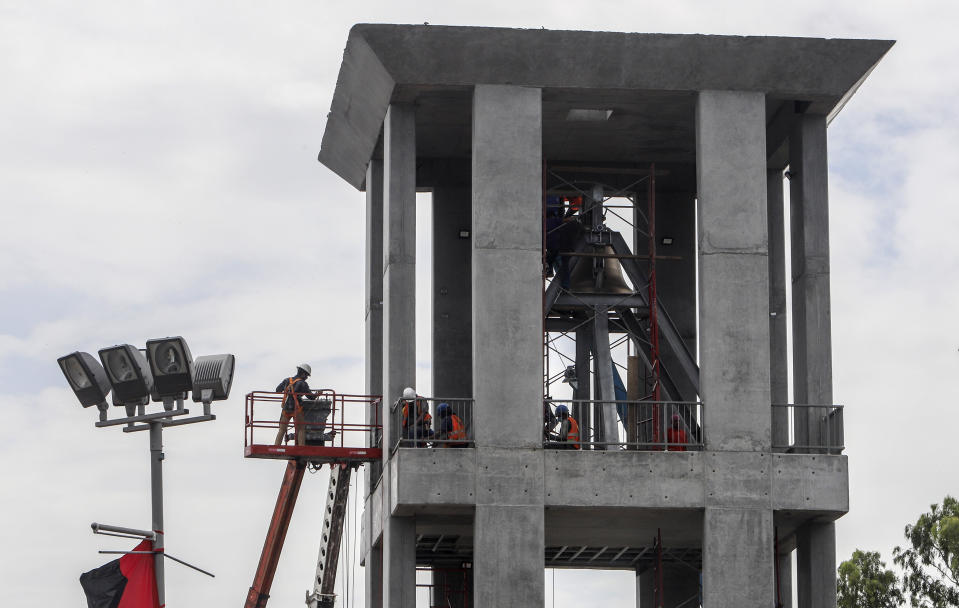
129, 373
87, 378
212, 378
172, 367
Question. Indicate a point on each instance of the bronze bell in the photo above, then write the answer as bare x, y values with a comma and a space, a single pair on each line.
598, 274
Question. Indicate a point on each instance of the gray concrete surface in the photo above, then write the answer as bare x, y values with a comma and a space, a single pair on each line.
507, 246
733, 269
392, 62
778, 330
816, 565
399, 563
738, 557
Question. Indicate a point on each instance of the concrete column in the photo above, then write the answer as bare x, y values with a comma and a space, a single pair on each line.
786, 579
812, 334
738, 558
374, 300
733, 269
508, 549
374, 577
452, 293
399, 253
734, 340
399, 562
778, 356
399, 333
509, 556
507, 266
816, 565
680, 584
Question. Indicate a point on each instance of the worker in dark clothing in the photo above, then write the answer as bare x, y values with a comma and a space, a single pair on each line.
294, 389
452, 431
568, 434
560, 236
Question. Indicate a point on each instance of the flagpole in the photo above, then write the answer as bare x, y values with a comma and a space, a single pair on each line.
156, 492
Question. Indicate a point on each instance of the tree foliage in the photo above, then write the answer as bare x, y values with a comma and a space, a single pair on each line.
931, 566
864, 582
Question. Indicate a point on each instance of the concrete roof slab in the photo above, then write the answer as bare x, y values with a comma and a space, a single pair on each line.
594, 69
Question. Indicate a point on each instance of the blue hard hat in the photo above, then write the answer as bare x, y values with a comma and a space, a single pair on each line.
442, 408
562, 409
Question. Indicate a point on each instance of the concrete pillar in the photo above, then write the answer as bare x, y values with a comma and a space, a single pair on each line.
507, 266
452, 293
399, 332
399, 253
508, 549
734, 338
778, 356
373, 572
738, 558
816, 565
733, 269
399, 562
786, 579
680, 585
509, 556
809, 222
374, 300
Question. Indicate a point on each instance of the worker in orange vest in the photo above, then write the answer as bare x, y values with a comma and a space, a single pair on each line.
414, 412
451, 428
568, 429
294, 389
676, 436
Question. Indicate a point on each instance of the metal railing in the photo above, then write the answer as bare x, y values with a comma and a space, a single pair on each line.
628, 425
420, 424
808, 429
326, 418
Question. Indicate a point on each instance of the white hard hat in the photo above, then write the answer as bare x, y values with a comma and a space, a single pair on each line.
409, 393
305, 367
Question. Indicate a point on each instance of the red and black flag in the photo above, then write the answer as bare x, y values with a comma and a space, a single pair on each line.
128, 582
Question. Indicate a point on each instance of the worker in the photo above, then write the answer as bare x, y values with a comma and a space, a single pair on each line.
294, 389
675, 435
560, 235
452, 431
568, 435
413, 411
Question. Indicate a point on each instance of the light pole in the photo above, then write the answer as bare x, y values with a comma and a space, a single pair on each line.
164, 372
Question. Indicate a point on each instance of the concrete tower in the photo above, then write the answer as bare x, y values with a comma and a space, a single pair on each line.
489, 121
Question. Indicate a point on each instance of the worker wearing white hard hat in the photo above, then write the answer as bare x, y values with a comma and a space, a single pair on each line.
294, 389
413, 426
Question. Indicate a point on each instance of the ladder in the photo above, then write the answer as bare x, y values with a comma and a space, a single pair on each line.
327, 560
334, 515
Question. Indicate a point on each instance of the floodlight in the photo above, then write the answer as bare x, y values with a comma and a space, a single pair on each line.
172, 366
129, 373
86, 377
213, 377
570, 378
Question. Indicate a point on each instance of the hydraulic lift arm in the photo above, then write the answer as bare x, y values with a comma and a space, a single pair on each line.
285, 501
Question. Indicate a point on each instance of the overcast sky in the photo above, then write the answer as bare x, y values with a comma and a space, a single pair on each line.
158, 177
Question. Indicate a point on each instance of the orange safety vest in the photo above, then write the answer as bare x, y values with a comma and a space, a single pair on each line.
573, 435
406, 411
459, 430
